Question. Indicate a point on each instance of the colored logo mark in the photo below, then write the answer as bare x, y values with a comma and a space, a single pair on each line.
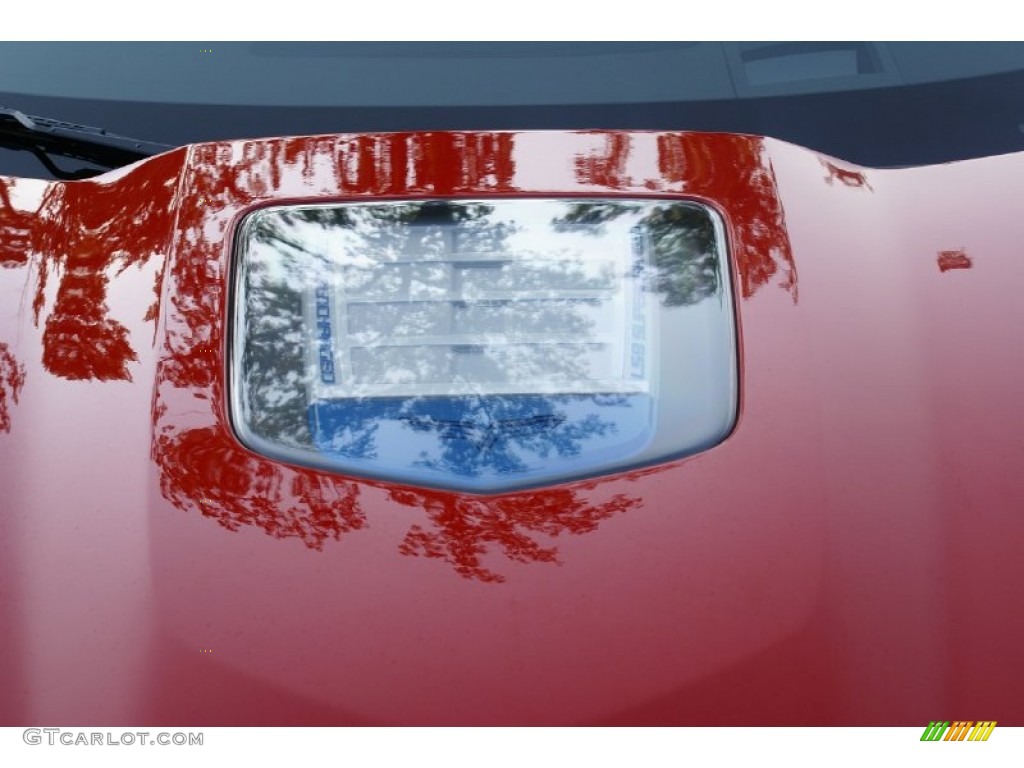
957, 259
961, 730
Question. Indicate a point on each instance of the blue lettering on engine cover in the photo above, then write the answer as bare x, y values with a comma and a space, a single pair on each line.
323, 327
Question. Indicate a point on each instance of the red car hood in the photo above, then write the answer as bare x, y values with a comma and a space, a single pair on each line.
850, 555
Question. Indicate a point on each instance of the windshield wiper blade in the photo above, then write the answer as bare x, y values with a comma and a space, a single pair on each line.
45, 136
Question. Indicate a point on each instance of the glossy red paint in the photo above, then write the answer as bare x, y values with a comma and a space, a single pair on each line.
851, 555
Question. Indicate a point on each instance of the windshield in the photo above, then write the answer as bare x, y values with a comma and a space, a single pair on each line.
876, 104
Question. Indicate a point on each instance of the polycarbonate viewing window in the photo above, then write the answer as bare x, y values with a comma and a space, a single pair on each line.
482, 346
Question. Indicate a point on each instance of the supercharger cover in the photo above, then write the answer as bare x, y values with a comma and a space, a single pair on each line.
483, 345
